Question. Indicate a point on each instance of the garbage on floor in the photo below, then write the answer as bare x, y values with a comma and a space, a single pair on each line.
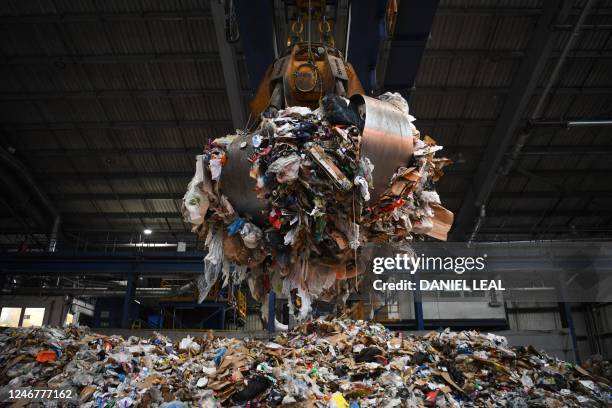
320, 363
314, 187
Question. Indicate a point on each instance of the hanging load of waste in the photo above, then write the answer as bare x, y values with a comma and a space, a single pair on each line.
290, 205
320, 363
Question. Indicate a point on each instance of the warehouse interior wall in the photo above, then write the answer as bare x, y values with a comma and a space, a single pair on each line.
55, 307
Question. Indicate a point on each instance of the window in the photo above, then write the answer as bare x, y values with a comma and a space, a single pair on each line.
69, 319
9, 317
33, 316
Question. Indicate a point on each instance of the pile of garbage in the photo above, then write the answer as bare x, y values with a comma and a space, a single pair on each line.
316, 192
321, 363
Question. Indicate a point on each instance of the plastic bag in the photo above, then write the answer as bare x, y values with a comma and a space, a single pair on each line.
187, 344
213, 262
338, 401
397, 100
215, 166
363, 187
429, 197
235, 226
251, 235
196, 203
337, 112
286, 168
365, 170
291, 236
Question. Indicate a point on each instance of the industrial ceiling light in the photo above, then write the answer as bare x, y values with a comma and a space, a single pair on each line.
147, 231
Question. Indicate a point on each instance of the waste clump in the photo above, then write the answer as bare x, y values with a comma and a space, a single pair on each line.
318, 201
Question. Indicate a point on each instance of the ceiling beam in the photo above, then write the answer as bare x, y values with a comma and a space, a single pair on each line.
493, 214
512, 11
225, 124
450, 172
506, 195
510, 54
198, 14
544, 213
525, 82
112, 152
137, 124
521, 195
56, 176
227, 53
559, 150
464, 90
62, 60
123, 215
116, 196
113, 93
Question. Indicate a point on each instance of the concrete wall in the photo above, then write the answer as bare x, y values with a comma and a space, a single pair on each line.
55, 306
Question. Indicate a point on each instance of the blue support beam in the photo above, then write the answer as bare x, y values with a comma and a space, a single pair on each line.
567, 312
271, 311
256, 37
406, 47
418, 311
128, 300
367, 32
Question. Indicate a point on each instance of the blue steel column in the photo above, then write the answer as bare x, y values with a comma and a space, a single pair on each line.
418, 309
128, 300
271, 311
567, 308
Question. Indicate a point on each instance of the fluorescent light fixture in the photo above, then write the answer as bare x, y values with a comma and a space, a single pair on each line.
147, 231
137, 301
148, 245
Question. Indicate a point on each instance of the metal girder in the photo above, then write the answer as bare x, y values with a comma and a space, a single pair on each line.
512, 11
492, 214
211, 123
560, 150
521, 195
112, 152
113, 93
117, 196
57, 176
467, 90
445, 195
510, 54
61, 60
197, 14
123, 233
525, 82
556, 213
571, 150
223, 124
123, 215
227, 53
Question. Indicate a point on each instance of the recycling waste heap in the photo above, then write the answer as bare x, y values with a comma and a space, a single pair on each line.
318, 364
290, 206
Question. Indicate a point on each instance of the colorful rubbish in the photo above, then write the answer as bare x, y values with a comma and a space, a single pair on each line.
311, 198
320, 363
45, 356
